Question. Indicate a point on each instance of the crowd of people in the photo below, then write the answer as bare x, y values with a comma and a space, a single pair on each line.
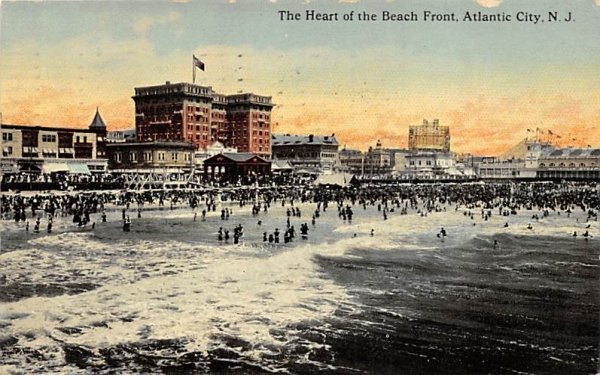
485, 199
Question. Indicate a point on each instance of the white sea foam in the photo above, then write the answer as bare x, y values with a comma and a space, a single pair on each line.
197, 291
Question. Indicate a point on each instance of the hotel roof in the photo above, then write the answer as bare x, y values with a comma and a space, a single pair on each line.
572, 153
287, 139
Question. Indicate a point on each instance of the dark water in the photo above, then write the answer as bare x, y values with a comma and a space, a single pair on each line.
530, 306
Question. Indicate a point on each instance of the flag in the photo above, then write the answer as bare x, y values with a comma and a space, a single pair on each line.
198, 64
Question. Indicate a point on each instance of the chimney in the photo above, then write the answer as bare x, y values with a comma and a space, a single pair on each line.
311, 138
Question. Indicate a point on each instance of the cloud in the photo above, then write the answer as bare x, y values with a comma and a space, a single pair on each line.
78, 74
491, 3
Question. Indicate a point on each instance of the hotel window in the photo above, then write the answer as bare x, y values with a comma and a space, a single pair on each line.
85, 139
118, 157
174, 156
7, 136
161, 156
133, 156
7, 150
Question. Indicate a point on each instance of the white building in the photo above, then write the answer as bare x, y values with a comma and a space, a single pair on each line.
211, 150
429, 164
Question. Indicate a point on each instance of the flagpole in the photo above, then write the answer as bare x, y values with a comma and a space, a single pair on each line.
193, 70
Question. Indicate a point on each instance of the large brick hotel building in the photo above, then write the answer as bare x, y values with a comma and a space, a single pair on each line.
197, 114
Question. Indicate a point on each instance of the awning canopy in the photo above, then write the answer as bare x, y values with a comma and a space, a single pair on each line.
8, 166
305, 171
78, 168
55, 167
28, 167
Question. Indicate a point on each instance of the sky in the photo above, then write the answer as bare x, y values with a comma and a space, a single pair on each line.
362, 81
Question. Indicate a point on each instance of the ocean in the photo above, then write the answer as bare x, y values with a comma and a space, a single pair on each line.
168, 297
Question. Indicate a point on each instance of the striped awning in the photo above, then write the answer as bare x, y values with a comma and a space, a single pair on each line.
55, 167
78, 168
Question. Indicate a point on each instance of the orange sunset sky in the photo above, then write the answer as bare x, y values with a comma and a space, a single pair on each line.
362, 81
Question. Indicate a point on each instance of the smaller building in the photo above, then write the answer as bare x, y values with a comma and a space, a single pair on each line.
314, 152
215, 149
351, 161
492, 168
121, 136
570, 163
243, 167
155, 155
398, 159
377, 160
430, 164
51, 155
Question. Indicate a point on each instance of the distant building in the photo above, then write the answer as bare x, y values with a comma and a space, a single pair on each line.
216, 148
194, 113
156, 155
521, 162
120, 136
429, 137
377, 160
316, 152
501, 169
351, 160
430, 164
398, 158
570, 163
49, 150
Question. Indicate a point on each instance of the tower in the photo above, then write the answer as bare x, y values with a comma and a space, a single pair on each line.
99, 127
